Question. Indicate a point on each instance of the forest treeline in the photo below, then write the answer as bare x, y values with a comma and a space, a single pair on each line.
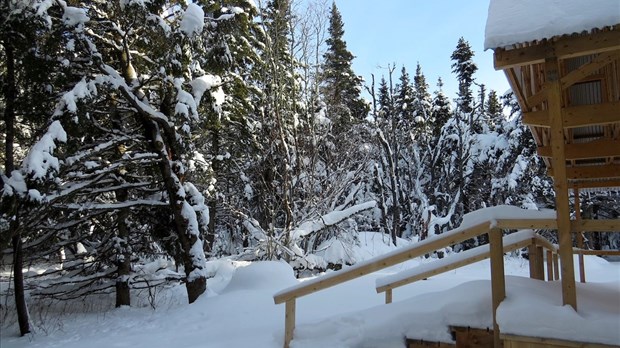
137, 131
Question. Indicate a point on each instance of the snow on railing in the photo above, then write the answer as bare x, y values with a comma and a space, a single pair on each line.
485, 221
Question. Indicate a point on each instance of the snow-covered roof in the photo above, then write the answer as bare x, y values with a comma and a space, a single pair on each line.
511, 22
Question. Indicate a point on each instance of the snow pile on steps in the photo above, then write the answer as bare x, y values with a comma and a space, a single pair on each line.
532, 308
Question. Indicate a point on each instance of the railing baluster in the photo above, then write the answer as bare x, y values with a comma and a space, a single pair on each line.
289, 322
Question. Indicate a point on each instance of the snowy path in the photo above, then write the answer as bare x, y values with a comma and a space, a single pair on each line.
241, 312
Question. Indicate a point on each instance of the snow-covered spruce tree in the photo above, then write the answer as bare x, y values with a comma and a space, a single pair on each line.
341, 88
422, 105
417, 156
32, 49
452, 152
464, 68
441, 112
519, 175
144, 56
396, 137
231, 134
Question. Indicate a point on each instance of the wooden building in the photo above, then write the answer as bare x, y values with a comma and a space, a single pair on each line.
562, 60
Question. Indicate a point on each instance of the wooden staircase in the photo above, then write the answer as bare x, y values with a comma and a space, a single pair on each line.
464, 337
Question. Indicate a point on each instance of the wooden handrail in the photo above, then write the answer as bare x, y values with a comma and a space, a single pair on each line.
462, 259
395, 257
390, 259
511, 242
596, 252
583, 225
586, 225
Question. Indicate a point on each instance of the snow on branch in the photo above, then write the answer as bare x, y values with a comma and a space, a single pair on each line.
193, 19
40, 160
330, 219
113, 206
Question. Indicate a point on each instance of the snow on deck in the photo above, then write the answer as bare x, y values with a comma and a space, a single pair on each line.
534, 308
531, 308
510, 22
238, 311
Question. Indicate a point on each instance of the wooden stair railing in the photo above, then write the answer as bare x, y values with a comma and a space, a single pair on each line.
517, 240
491, 227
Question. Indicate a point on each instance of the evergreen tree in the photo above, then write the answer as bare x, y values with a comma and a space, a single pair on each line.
464, 68
441, 110
422, 105
405, 103
341, 87
493, 109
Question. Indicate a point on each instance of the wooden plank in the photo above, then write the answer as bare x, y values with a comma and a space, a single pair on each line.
610, 225
592, 172
560, 182
498, 281
513, 81
473, 337
583, 45
590, 115
556, 266
388, 296
522, 224
535, 255
550, 265
596, 184
581, 261
577, 116
451, 266
539, 97
543, 242
289, 322
522, 341
562, 48
600, 148
587, 69
424, 247
504, 59
413, 343
597, 252
538, 118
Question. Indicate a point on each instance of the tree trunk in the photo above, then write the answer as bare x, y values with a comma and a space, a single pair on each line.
123, 264
10, 94
163, 140
18, 282
9, 107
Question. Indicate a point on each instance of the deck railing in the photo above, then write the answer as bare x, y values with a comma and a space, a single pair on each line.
523, 239
492, 227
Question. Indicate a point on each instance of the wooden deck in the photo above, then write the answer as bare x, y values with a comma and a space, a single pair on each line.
467, 337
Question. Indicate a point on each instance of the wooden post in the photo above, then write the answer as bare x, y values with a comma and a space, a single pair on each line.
556, 266
549, 265
582, 270
536, 262
560, 181
540, 265
388, 296
498, 283
289, 322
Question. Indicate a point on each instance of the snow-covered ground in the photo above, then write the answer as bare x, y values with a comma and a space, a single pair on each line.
239, 311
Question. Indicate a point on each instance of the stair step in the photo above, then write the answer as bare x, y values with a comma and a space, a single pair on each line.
412, 343
464, 337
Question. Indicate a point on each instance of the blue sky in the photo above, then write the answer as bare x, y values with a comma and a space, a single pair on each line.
382, 32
